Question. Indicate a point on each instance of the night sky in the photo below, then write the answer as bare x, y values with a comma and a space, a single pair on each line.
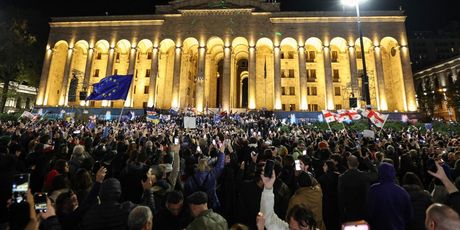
422, 14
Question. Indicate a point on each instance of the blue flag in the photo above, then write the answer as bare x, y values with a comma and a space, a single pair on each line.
114, 87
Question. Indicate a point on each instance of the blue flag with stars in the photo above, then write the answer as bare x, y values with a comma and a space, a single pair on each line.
114, 87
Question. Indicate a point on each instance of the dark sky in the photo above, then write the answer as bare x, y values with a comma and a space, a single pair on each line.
422, 14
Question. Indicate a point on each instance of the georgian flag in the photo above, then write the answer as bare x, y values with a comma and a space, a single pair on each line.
342, 115
375, 117
354, 115
329, 116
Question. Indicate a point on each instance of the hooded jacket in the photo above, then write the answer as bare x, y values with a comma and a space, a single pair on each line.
389, 205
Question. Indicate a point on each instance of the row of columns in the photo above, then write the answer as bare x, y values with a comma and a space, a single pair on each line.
381, 98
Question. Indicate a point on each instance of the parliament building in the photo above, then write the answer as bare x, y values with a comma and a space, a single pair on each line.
232, 54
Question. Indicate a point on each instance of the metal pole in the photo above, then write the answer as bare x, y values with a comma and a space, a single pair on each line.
366, 95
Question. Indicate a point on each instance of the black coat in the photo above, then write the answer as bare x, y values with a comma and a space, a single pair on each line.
420, 200
329, 182
353, 186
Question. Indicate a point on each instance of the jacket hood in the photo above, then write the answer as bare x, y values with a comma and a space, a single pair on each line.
110, 190
387, 173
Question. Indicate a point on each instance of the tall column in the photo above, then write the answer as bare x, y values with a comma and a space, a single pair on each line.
302, 79
252, 78
277, 77
328, 78
88, 68
153, 78
176, 78
226, 79
201, 79
380, 76
109, 69
408, 79
442, 79
42, 90
132, 62
353, 68
454, 74
65, 81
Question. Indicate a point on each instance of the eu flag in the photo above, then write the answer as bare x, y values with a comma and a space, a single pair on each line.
114, 87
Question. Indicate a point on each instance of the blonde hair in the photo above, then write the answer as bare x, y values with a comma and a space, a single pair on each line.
203, 165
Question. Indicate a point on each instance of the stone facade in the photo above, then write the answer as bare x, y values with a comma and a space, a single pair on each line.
232, 54
435, 80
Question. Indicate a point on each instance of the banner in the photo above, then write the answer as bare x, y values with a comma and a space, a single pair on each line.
329, 116
190, 122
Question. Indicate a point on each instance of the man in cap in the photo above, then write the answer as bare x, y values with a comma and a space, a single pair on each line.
204, 218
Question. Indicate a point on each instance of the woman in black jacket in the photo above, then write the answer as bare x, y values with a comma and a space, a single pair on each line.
420, 199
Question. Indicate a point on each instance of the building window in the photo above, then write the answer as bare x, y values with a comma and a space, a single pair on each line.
282, 55
335, 75
111, 104
135, 73
92, 103
146, 89
291, 90
359, 54
311, 75
311, 55
338, 106
283, 107
144, 104
334, 56
291, 55
283, 91
134, 89
117, 58
312, 91
147, 73
96, 73
337, 91
99, 56
283, 74
312, 107
138, 57
291, 73
149, 55
115, 72
291, 107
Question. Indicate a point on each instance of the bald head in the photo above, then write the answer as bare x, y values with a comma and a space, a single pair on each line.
352, 162
441, 217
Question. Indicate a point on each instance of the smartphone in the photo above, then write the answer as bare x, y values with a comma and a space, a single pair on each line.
357, 225
297, 165
431, 165
304, 152
268, 169
40, 202
20, 187
176, 140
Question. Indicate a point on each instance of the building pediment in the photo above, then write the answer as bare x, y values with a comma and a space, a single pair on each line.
178, 5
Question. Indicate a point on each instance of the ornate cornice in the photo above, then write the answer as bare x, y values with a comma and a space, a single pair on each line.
157, 22
206, 12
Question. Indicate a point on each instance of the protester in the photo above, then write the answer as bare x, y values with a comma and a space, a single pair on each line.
205, 219
158, 164
140, 218
389, 200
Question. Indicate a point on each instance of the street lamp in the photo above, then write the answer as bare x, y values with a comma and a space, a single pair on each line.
366, 94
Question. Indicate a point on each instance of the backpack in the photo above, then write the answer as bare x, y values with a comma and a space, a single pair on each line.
201, 187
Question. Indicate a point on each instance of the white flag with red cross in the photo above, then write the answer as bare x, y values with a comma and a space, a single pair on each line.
376, 118
329, 116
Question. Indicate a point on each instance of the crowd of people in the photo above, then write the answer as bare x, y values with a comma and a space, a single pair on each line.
139, 175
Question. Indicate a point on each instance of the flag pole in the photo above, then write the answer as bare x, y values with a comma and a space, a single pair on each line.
381, 129
121, 113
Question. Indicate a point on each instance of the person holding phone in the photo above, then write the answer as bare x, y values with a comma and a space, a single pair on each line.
298, 217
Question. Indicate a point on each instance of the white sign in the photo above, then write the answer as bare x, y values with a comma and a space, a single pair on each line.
190, 122
369, 134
